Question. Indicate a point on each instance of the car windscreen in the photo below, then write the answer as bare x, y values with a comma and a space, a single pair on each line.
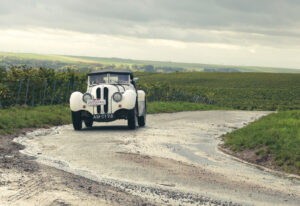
98, 79
119, 79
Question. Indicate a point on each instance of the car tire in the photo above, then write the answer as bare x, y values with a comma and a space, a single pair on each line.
132, 119
77, 121
142, 121
88, 123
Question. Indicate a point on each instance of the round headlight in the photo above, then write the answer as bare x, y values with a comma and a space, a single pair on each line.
117, 97
86, 97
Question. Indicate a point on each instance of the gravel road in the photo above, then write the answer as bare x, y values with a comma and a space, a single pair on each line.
174, 160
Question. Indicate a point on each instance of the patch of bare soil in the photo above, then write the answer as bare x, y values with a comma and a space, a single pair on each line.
260, 161
25, 182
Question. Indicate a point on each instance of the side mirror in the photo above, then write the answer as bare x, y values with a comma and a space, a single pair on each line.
135, 79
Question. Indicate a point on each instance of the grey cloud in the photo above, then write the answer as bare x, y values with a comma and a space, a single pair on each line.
189, 20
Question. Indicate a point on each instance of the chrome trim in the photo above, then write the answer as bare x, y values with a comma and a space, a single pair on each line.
113, 96
86, 94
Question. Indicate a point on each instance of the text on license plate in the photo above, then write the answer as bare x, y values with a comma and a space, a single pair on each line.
96, 102
103, 116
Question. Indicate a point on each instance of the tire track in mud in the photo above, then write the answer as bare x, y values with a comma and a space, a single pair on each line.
29, 189
50, 186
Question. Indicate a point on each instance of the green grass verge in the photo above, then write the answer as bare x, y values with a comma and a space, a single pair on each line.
274, 138
14, 119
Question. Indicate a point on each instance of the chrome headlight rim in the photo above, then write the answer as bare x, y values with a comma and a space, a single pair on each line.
116, 98
88, 95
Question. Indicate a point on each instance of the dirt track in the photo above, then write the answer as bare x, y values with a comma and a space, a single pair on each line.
174, 160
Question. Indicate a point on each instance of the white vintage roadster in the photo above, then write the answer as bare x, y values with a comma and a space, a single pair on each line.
110, 95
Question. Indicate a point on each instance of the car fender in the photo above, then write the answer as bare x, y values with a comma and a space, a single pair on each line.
76, 101
129, 99
141, 103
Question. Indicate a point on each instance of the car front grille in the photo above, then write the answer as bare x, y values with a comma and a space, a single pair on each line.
98, 95
106, 98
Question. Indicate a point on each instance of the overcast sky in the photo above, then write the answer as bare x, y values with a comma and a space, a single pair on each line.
235, 32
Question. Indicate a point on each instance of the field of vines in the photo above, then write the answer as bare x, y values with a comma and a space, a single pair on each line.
33, 87
27, 86
246, 91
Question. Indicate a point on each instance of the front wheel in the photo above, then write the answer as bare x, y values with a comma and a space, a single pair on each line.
132, 119
77, 121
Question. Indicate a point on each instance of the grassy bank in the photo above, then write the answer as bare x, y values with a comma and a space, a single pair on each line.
14, 119
272, 140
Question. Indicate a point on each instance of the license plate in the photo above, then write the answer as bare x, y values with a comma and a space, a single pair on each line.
96, 102
103, 116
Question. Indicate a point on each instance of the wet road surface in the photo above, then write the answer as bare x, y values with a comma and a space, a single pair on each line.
173, 160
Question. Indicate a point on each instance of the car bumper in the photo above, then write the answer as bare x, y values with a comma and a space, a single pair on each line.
104, 117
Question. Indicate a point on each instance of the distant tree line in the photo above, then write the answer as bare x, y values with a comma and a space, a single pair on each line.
7, 62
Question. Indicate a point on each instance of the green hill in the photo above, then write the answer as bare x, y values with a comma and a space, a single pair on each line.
84, 63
